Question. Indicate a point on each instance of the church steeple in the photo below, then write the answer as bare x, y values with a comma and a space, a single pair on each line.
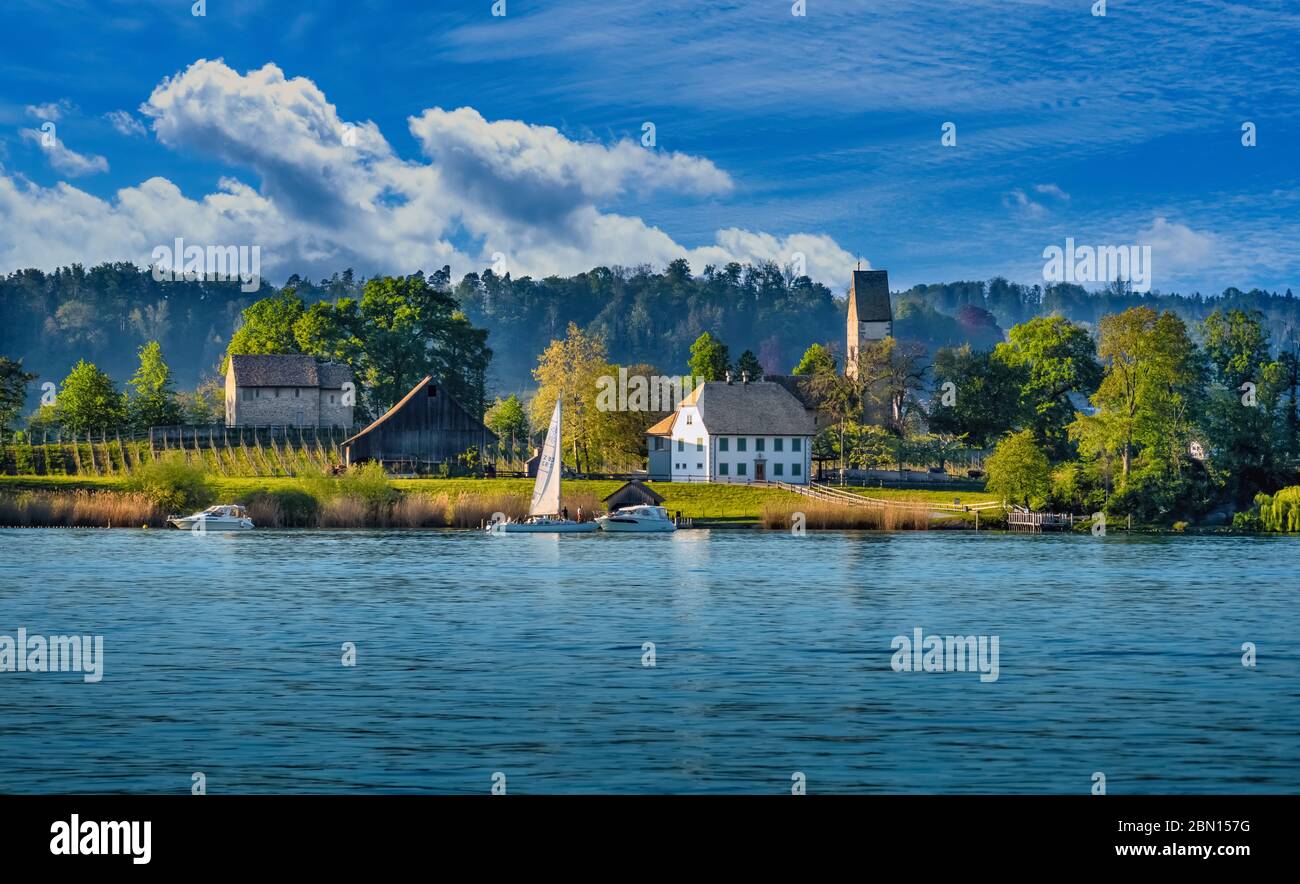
870, 313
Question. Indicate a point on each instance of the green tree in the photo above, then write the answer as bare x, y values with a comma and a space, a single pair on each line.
816, 358
401, 329
1019, 471
267, 327
709, 358
152, 402
1151, 389
89, 401
984, 401
13, 390
509, 421
1244, 422
748, 365
1059, 359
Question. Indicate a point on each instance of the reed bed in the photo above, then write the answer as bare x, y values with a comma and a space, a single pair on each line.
822, 515
79, 509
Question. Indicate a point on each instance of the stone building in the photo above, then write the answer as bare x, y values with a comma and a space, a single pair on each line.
871, 316
288, 390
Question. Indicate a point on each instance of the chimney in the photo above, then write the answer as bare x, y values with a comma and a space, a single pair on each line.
728, 377
744, 377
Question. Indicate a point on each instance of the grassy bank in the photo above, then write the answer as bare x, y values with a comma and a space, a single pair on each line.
373, 501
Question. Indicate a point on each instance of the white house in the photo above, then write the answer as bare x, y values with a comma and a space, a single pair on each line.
734, 431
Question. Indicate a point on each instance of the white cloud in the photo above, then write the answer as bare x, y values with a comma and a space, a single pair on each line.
1052, 190
124, 123
63, 158
334, 194
1176, 249
52, 111
1018, 200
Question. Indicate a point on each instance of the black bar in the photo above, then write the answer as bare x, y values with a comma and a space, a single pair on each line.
216, 833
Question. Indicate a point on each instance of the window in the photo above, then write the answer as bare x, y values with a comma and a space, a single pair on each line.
699, 466
795, 443
681, 444
722, 468
331, 398
779, 469
794, 469
699, 444
759, 443
689, 420
722, 443
277, 392
248, 394
740, 443
740, 469
776, 443
297, 393
659, 443
257, 394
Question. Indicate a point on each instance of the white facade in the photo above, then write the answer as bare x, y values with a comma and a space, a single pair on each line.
697, 456
689, 451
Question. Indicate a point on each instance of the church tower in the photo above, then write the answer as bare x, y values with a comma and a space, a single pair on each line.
870, 316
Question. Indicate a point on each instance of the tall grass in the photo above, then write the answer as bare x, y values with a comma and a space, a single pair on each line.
823, 515
80, 509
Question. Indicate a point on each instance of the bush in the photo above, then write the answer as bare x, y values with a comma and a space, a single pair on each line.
173, 484
367, 482
1281, 511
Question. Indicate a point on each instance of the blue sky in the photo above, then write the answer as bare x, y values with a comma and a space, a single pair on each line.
519, 136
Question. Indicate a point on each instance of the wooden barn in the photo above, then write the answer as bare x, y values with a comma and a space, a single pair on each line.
426, 428
633, 493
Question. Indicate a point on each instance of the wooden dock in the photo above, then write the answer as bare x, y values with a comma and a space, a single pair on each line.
1023, 520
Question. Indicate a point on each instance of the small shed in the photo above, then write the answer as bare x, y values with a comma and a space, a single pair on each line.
633, 493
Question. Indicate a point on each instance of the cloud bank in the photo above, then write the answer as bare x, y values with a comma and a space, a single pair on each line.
333, 193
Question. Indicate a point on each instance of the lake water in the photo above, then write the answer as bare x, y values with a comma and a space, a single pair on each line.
524, 655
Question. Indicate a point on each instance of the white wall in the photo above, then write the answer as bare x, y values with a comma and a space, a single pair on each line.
691, 462
787, 457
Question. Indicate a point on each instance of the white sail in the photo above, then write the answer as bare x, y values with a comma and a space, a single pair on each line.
546, 492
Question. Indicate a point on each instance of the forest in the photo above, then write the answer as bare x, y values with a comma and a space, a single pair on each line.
104, 315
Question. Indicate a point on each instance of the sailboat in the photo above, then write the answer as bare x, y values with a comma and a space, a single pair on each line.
544, 510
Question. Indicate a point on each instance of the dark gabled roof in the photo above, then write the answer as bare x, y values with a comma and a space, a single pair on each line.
758, 408
275, 371
287, 370
869, 296
333, 376
638, 487
428, 379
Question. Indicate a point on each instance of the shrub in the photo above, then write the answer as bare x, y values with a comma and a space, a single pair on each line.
1281, 512
369, 483
173, 484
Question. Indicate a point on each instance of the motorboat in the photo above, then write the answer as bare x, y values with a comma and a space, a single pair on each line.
642, 518
223, 517
544, 510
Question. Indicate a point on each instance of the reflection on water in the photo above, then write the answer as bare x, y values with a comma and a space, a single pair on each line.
523, 654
